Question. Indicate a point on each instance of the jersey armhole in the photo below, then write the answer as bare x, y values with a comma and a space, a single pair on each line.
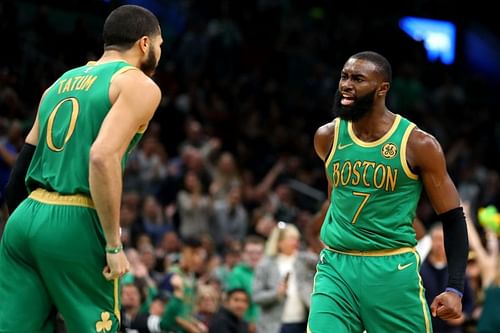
336, 132
121, 71
404, 145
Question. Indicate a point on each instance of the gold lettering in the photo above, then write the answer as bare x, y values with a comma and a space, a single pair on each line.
76, 80
355, 172
391, 179
67, 86
89, 82
367, 164
336, 174
379, 168
345, 180
60, 85
81, 83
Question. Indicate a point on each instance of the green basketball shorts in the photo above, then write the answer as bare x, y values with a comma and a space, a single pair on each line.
379, 291
51, 259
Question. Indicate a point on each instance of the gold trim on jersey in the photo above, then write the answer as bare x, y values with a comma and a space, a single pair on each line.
386, 136
402, 154
95, 63
117, 300
142, 129
54, 198
122, 70
336, 131
375, 253
421, 295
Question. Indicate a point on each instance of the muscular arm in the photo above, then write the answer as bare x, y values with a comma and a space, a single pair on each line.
137, 98
425, 154
323, 140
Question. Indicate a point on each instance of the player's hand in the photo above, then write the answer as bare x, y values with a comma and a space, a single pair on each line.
447, 305
117, 265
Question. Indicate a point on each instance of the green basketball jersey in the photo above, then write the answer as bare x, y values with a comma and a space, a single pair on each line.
375, 194
70, 117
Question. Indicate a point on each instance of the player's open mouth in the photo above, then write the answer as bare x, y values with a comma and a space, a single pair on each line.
347, 100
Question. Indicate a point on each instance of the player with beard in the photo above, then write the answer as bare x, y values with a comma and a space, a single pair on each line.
61, 247
376, 164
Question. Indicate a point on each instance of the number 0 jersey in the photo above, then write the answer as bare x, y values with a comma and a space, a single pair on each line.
375, 194
70, 117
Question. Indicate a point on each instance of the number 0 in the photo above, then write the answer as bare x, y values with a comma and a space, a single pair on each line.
75, 109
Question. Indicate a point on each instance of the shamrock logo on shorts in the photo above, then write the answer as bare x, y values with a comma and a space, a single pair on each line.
104, 325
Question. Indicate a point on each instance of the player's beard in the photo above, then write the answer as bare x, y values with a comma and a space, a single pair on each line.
362, 105
149, 65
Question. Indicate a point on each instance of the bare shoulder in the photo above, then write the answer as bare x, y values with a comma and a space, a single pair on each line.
421, 140
323, 139
134, 91
136, 80
423, 148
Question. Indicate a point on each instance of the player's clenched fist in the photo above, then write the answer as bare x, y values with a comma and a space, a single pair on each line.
117, 265
447, 305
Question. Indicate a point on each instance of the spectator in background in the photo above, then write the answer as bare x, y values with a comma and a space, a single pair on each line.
243, 273
225, 176
195, 208
207, 303
155, 223
229, 318
275, 285
230, 257
151, 160
230, 220
434, 273
488, 260
131, 224
10, 145
132, 319
181, 283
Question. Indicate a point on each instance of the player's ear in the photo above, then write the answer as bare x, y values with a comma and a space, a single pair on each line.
144, 42
383, 89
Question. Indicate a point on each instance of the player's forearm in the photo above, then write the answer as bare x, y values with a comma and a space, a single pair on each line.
456, 246
313, 230
105, 180
15, 190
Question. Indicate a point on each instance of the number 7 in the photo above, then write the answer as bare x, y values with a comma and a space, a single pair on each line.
365, 196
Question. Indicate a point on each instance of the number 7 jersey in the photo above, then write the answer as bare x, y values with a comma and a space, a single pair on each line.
70, 117
375, 194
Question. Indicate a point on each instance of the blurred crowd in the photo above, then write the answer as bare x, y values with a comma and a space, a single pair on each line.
220, 191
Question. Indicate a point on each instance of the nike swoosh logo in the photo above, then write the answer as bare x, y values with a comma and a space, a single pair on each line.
345, 146
401, 267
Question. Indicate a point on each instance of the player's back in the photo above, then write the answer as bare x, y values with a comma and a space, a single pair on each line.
70, 117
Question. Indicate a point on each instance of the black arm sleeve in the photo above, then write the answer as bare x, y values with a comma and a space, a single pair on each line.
16, 191
456, 246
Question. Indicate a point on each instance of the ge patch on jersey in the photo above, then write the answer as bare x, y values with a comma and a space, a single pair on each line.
389, 150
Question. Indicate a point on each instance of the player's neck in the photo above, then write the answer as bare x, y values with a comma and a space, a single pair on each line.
114, 55
374, 124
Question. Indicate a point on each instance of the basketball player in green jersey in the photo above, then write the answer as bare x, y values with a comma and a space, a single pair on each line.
377, 163
61, 247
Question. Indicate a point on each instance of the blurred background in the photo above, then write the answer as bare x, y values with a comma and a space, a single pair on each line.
245, 85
